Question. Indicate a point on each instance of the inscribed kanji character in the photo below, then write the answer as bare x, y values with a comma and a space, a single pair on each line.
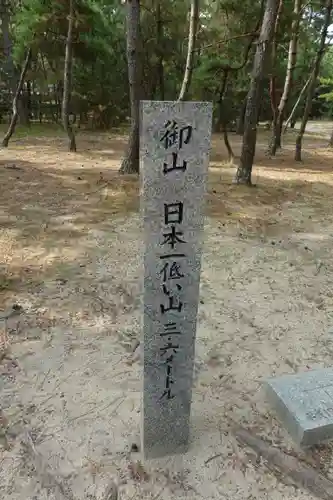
172, 256
174, 166
173, 237
169, 346
170, 329
174, 305
172, 272
173, 213
172, 134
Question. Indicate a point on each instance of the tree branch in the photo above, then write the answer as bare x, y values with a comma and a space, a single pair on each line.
254, 34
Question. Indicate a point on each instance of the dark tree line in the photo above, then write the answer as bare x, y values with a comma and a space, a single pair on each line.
87, 63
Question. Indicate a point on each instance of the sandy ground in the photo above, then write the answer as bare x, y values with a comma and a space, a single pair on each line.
71, 255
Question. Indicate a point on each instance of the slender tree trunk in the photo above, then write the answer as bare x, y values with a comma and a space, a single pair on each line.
244, 171
247, 52
23, 106
190, 49
16, 98
291, 120
222, 121
231, 156
272, 83
159, 46
68, 79
58, 97
131, 161
313, 80
241, 119
29, 103
40, 110
292, 57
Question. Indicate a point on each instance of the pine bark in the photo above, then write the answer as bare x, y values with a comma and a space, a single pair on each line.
15, 115
272, 83
222, 121
313, 80
292, 119
131, 161
244, 171
292, 57
194, 19
231, 155
241, 118
68, 69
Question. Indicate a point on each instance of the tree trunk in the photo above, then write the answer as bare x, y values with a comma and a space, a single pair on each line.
190, 49
131, 161
23, 107
159, 47
272, 83
244, 171
291, 120
313, 80
247, 52
68, 79
292, 57
221, 120
16, 98
40, 109
231, 156
241, 119
29, 101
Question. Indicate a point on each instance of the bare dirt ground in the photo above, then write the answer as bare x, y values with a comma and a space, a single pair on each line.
71, 257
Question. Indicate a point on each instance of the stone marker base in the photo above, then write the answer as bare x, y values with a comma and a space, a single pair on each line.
304, 404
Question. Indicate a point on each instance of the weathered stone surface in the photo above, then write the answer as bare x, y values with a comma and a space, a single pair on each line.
174, 149
304, 404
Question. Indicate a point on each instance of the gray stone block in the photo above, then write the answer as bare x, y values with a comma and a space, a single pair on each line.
174, 152
304, 404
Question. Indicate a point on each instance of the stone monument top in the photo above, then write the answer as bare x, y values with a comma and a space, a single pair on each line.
304, 404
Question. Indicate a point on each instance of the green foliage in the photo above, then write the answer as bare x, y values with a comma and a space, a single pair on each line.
226, 41
327, 64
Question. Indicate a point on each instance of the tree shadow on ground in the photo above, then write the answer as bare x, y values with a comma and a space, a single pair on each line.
316, 155
51, 200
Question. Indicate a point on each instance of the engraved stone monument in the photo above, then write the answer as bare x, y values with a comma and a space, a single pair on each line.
304, 404
174, 151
